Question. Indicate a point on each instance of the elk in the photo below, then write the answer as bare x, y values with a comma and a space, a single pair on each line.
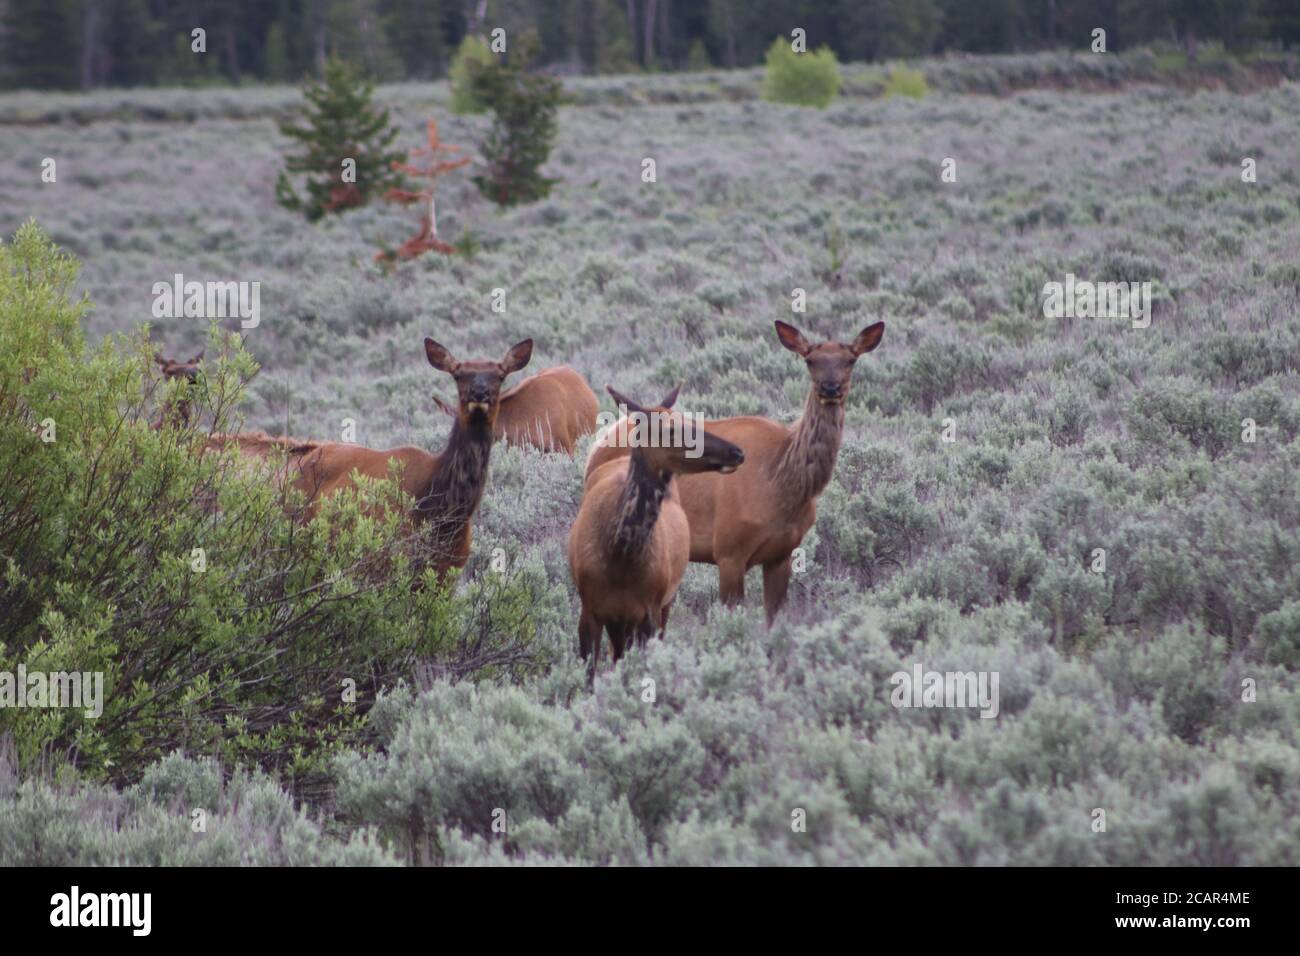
760, 514
447, 487
176, 412
630, 543
258, 450
549, 411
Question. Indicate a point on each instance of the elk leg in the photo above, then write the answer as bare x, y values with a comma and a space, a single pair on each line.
644, 630
589, 640
731, 581
776, 579
663, 619
618, 635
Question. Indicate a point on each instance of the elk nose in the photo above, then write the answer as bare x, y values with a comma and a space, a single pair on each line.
829, 390
737, 456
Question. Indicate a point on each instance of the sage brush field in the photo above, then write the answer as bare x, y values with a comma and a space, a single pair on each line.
1163, 691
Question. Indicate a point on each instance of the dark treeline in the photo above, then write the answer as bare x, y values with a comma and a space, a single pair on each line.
70, 44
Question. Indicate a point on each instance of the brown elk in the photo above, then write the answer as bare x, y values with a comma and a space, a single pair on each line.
760, 514
630, 543
447, 487
549, 411
176, 411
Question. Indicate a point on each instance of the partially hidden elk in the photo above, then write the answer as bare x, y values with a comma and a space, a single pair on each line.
176, 412
631, 542
759, 515
549, 411
447, 487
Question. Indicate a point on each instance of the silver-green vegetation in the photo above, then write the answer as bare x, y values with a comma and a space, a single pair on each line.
1128, 691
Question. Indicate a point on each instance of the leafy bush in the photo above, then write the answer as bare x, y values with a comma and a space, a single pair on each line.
240, 648
804, 79
905, 81
1279, 635
697, 58
471, 56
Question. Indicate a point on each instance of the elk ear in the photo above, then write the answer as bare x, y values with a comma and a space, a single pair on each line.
867, 339
158, 357
198, 358
671, 396
623, 400
792, 338
518, 356
439, 357
444, 406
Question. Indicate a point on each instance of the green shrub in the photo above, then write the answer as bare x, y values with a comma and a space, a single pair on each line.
697, 57
804, 79
242, 650
1279, 635
905, 81
471, 56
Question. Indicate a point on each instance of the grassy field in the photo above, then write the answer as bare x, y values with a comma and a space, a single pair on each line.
1121, 691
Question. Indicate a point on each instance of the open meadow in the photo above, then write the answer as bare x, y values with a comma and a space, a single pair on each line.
990, 453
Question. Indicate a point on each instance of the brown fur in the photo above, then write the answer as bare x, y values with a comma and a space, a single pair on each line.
447, 487
175, 412
630, 543
549, 411
258, 444
760, 514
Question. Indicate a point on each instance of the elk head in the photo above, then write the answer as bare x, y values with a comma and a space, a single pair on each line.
831, 363
171, 368
478, 384
673, 443
176, 410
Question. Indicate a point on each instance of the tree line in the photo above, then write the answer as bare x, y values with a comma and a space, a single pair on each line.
71, 44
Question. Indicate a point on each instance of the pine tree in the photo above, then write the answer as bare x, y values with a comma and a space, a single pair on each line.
415, 30
523, 130
341, 124
38, 52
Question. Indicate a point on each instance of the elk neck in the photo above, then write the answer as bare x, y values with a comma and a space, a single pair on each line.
458, 480
173, 415
804, 467
639, 504
178, 414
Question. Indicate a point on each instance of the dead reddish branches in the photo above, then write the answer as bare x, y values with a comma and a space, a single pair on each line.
439, 162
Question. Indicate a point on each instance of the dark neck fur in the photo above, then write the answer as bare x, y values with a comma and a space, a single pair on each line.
458, 481
178, 414
804, 469
638, 508
175, 413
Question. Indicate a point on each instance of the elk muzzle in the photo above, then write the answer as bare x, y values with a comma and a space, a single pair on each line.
830, 393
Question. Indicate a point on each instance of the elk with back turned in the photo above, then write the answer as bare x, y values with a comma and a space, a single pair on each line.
549, 411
